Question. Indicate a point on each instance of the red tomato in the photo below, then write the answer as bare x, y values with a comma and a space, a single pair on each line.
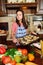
3, 58
6, 59
13, 62
2, 50
24, 51
19, 49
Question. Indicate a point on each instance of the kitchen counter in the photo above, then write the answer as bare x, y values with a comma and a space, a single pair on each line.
37, 60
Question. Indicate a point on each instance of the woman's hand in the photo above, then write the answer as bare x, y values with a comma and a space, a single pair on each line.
34, 33
15, 40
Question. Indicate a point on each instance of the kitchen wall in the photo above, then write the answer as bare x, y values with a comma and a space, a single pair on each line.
11, 19
8, 19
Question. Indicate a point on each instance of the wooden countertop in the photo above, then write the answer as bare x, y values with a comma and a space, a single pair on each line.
38, 60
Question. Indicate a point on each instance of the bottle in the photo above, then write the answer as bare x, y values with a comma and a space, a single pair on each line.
41, 42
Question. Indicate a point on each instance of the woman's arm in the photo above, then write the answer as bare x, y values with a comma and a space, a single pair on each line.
14, 37
13, 32
27, 31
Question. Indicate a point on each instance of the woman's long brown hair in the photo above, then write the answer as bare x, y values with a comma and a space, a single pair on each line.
23, 19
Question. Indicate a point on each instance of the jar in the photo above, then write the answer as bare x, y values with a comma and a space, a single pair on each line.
21, 1
30, 1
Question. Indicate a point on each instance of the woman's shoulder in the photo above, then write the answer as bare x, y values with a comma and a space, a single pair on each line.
14, 24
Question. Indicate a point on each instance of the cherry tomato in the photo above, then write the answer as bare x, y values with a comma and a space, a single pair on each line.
19, 49
24, 51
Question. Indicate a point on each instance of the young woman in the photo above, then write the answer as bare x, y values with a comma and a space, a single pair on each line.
19, 28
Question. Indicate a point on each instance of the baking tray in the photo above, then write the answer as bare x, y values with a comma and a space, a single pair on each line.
28, 39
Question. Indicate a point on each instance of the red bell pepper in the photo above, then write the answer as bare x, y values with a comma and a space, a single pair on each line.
2, 50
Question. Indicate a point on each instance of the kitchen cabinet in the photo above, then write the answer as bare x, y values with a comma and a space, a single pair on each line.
2, 8
40, 7
12, 7
9, 8
3, 32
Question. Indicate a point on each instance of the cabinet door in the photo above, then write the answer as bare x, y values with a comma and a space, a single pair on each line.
40, 7
2, 8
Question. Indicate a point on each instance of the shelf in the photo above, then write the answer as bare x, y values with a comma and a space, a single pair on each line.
9, 5
4, 34
2, 13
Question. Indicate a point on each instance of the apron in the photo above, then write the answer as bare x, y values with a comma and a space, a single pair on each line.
21, 32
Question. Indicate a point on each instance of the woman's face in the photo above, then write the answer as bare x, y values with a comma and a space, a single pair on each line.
19, 15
